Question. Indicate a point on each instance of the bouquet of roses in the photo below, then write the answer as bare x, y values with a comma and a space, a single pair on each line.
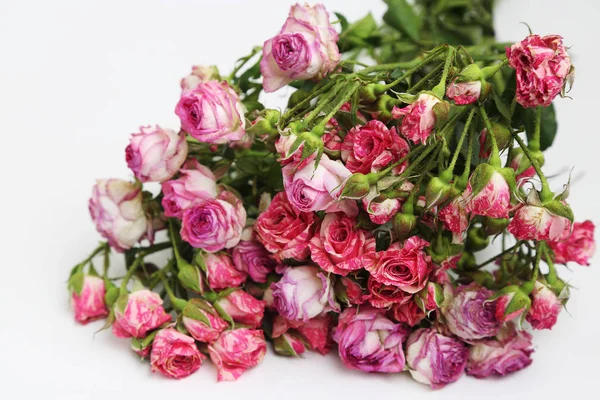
355, 214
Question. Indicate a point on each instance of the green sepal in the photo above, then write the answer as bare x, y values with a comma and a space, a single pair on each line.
121, 303
470, 73
196, 309
111, 295
75, 283
481, 177
441, 111
282, 346
356, 187
477, 239
438, 191
556, 207
191, 278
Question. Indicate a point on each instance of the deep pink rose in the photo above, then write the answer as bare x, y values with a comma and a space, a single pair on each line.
236, 351
202, 321
470, 314
545, 307
116, 209
338, 243
315, 333
89, 304
221, 272
532, 222
305, 48
155, 154
214, 224
435, 359
492, 201
242, 308
419, 118
352, 292
368, 341
508, 307
251, 257
510, 351
195, 184
385, 296
212, 113
285, 231
454, 216
542, 65
303, 293
143, 313
199, 74
408, 313
522, 173
579, 247
464, 92
174, 354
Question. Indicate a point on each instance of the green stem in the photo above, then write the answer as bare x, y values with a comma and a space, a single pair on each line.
415, 68
417, 86
375, 176
464, 178
534, 143
106, 262
178, 303
527, 287
440, 88
245, 60
130, 273
459, 145
552, 277
335, 109
495, 153
307, 100
101, 247
546, 194
491, 70
499, 255
321, 105
172, 234
452, 122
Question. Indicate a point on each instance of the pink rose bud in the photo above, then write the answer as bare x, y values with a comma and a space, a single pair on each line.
368, 341
195, 184
579, 247
242, 308
435, 359
419, 118
545, 307
315, 188
524, 171
141, 313
454, 216
350, 291
251, 257
212, 113
488, 193
214, 224
306, 48
141, 347
202, 321
221, 272
464, 92
409, 313
536, 222
236, 351
199, 74
338, 243
385, 296
510, 351
174, 354
155, 154
88, 299
303, 293
542, 65
317, 333
511, 303
372, 147
284, 231
116, 209
382, 210
470, 314
289, 344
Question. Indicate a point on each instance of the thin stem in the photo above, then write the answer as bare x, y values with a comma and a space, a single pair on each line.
377, 175
440, 88
343, 101
460, 141
130, 273
102, 246
452, 122
321, 105
244, 62
417, 86
552, 276
177, 302
527, 287
516, 246
172, 234
106, 261
534, 143
495, 153
307, 100
546, 193
415, 68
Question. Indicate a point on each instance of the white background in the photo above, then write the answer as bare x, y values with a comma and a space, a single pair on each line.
76, 77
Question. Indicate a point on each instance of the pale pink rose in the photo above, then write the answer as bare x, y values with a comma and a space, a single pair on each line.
532, 222
492, 201
174, 354
199, 74
545, 307
202, 321
409, 313
303, 293
116, 209
314, 188
305, 48
454, 216
195, 184
212, 113
285, 231
385, 296
542, 65
368, 341
143, 313
155, 154
242, 308
464, 92
510, 351
214, 224
470, 314
251, 257
89, 304
236, 351
381, 212
579, 247
338, 242
419, 118
221, 272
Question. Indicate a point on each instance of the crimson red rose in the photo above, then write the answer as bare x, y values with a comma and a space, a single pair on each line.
384, 296
409, 313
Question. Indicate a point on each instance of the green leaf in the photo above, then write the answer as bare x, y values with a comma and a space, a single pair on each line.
363, 27
343, 21
402, 17
502, 107
76, 282
248, 165
548, 125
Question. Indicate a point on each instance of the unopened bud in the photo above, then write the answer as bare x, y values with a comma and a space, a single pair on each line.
494, 226
403, 224
477, 239
289, 344
356, 186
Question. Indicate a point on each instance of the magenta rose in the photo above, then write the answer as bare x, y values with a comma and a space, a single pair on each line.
195, 184
116, 209
142, 313
533, 222
470, 314
419, 118
408, 313
89, 303
202, 321
545, 307
510, 351
212, 113
385, 296
284, 231
199, 74
464, 92
305, 48
303, 293
542, 65
237, 350
251, 257
315, 333
368, 341
214, 224
338, 242
579, 247
174, 354
242, 308
435, 359
454, 216
493, 200
155, 154
221, 272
